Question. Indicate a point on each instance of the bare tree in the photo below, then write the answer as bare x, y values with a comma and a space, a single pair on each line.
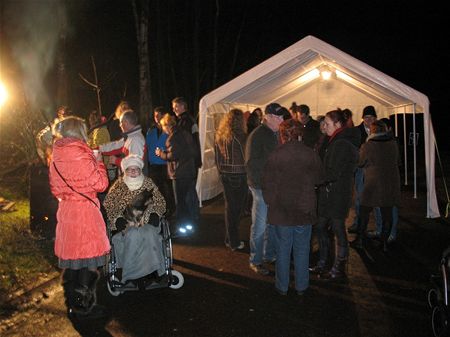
94, 85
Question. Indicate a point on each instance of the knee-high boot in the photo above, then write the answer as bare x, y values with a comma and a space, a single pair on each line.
86, 291
323, 239
385, 235
69, 283
338, 271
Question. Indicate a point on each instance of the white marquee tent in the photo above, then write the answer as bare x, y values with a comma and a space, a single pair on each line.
294, 74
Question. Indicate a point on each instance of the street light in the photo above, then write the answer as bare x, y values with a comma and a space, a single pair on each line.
3, 94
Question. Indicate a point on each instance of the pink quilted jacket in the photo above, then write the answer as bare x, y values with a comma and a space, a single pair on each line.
81, 230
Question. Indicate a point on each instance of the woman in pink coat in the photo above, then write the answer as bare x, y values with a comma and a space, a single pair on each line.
81, 244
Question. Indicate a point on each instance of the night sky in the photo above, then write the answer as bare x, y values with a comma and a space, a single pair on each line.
406, 40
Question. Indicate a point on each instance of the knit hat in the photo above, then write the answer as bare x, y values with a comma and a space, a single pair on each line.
369, 111
303, 108
131, 160
274, 109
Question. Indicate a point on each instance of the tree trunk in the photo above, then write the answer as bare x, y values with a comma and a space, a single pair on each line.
62, 90
215, 44
170, 49
141, 17
196, 58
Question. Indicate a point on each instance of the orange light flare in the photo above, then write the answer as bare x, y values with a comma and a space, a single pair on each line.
3, 94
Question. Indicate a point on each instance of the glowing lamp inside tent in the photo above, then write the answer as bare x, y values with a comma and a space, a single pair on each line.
326, 72
309, 76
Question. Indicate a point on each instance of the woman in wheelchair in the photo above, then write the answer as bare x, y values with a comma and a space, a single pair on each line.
133, 207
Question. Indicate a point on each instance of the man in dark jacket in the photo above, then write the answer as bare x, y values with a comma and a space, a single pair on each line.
261, 142
187, 123
369, 116
311, 127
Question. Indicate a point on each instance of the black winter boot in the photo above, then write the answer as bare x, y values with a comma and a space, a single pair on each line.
385, 235
69, 282
338, 271
86, 291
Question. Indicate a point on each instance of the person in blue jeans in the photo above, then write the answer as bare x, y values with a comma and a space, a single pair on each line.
289, 181
359, 186
379, 226
260, 143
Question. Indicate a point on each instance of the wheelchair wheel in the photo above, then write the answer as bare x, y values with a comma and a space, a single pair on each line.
112, 291
439, 322
432, 298
177, 280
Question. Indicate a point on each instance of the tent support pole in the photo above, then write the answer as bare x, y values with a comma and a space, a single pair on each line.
405, 147
415, 149
396, 123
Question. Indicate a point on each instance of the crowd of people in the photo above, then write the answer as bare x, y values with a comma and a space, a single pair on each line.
301, 173
113, 178
291, 172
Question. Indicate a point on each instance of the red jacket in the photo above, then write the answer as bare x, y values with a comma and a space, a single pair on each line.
81, 230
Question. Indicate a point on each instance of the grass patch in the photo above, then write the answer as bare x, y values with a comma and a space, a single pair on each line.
24, 257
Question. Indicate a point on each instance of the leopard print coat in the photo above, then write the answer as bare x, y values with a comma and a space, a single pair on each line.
119, 196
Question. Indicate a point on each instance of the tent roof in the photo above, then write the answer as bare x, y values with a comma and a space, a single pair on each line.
280, 76
295, 73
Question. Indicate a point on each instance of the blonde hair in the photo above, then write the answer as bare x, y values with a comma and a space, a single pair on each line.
233, 123
70, 127
121, 108
168, 120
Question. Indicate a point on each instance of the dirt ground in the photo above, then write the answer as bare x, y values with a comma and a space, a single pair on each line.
384, 295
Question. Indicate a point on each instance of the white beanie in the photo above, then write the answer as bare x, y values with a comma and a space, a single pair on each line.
131, 160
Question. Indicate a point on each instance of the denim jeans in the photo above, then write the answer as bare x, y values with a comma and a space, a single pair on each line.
262, 244
359, 187
388, 213
393, 233
296, 239
235, 192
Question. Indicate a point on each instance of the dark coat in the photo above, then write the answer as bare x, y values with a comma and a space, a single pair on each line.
233, 160
311, 133
288, 184
379, 158
187, 123
340, 161
179, 153
363, 132
260, 143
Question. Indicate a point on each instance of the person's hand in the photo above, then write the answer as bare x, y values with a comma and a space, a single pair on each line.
158, 152
98, 155
112, 160
121, 224
154, 219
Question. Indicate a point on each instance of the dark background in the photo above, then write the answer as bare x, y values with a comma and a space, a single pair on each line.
405, 40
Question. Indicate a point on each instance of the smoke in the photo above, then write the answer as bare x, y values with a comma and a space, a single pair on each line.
34, 28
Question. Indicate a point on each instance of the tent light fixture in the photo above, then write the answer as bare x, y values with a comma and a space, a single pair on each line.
326, 72
309, 76
344, 76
